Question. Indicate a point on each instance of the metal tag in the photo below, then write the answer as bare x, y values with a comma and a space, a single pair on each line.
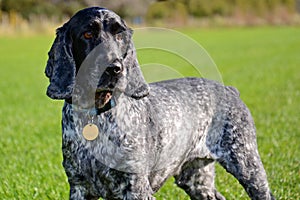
90, 131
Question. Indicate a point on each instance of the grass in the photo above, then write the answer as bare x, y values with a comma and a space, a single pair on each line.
263, 63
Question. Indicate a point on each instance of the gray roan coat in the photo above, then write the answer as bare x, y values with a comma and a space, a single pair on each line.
147, 132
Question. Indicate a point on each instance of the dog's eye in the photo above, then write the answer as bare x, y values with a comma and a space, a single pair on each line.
88, 35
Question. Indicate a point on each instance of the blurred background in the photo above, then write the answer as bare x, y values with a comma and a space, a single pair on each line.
42, 15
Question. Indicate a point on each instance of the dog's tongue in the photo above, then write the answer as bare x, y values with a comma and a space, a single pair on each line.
102, 98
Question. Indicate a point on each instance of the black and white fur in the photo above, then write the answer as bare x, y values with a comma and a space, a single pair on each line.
153, 131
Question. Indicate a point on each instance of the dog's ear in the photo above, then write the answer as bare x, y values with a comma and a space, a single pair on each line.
61, 66
137, 87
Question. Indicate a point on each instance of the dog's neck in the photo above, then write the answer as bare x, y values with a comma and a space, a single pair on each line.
93, 110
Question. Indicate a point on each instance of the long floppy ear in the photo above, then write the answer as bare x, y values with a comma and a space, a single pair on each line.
61, 68
137, 87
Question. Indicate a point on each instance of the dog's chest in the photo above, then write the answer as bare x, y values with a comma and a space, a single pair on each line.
119, 145
127, 143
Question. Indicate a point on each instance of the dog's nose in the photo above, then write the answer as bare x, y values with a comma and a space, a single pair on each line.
116, 67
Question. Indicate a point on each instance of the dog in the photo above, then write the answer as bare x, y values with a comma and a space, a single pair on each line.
142, 133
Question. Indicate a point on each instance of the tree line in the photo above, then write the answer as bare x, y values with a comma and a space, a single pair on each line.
150, 9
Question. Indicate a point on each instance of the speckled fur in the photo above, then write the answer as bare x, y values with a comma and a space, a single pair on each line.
174, 128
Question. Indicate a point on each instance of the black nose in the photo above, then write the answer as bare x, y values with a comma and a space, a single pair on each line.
115, 68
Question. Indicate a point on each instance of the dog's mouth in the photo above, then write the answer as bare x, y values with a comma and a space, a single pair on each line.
102, 98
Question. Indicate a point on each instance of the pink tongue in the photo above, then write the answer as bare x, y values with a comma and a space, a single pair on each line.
102, 98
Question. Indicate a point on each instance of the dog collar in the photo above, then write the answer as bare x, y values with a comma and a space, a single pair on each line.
93, 111
91, 131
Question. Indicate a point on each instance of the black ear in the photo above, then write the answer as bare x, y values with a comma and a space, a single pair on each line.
137, 87
61, 67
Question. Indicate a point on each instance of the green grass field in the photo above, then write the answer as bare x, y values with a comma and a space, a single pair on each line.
263, 63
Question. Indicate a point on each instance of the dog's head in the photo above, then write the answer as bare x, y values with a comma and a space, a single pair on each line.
92, 57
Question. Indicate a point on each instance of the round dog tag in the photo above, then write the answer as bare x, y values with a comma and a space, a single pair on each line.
90, 131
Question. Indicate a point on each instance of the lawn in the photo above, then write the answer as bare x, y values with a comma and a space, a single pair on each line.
263, 63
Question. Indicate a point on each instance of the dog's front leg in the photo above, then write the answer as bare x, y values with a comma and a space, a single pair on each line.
139, 189
80, 193
77, 192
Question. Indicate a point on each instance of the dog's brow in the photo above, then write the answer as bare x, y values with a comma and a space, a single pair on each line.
95, 22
